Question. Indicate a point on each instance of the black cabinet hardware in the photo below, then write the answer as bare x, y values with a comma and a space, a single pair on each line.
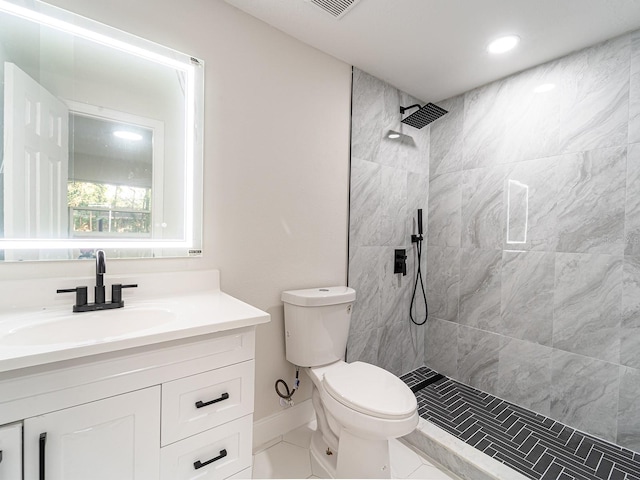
0, 456
43, 443
200, 404
198, 464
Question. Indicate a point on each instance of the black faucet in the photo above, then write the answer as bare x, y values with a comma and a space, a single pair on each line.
100, 303
101, 269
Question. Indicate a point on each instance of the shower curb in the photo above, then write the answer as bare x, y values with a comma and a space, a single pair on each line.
462, 459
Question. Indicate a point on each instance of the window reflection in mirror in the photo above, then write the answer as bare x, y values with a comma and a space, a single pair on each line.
110, 178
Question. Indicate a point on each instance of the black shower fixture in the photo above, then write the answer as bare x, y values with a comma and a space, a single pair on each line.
423, 116
417, 239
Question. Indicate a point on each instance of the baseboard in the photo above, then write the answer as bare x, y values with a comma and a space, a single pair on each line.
274, 426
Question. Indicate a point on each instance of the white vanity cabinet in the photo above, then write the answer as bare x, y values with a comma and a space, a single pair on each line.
112, 438
11, 451
175, 410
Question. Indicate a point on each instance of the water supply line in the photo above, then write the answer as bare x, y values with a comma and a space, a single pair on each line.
285, 398
417, 239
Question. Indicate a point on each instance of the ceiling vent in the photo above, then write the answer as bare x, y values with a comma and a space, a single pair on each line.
336, 8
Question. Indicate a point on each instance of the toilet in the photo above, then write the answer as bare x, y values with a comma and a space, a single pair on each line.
359, 407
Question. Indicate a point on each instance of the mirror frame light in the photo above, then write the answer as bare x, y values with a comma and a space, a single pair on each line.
193, 69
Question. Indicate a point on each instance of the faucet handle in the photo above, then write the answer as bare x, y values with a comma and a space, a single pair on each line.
81, 294
116, 291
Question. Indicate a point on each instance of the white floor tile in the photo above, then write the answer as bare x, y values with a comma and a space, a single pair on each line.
404, 461
300, 436
291, 458
427, 472
283, 460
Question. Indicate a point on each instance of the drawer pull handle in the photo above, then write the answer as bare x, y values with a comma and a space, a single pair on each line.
200, 404
0, 456
42, 444
199, 464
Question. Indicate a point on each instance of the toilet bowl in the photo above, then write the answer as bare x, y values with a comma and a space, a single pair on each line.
359, 406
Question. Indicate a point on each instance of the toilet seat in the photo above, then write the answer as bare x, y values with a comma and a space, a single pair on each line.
370, 390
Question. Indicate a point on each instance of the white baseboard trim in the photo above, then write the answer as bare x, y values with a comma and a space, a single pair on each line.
274, 426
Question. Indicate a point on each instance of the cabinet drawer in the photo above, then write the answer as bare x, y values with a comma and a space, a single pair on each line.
194, 404
11, 451
221, 452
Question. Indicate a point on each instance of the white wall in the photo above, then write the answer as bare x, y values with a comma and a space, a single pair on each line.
277, 116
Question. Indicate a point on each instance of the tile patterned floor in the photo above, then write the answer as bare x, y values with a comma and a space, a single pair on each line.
534, 445
289, 457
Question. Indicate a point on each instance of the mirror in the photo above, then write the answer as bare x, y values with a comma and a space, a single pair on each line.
101, 140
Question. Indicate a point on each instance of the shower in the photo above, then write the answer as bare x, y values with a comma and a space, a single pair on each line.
423, 116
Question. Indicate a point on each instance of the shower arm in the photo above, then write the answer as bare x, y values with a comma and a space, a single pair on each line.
404, 109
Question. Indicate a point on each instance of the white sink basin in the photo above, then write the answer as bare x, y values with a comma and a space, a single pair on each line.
89, 327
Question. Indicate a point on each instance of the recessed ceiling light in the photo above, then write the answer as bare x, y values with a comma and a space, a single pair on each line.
127, 135
393, 135
503, 44
545, 87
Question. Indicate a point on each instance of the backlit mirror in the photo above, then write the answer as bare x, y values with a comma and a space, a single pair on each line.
101, 140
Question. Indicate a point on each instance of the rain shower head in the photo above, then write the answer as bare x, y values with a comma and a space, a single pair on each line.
424, 116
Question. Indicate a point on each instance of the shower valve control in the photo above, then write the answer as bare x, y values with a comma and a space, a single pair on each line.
400, 261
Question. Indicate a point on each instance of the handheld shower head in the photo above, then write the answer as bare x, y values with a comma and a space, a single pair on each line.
423, 116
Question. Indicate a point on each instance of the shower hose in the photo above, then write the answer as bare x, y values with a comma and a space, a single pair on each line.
415, 287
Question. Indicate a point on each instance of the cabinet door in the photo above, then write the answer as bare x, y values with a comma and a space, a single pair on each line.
114, 438
11, 451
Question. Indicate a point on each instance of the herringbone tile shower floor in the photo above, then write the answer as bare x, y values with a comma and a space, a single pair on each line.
532, 444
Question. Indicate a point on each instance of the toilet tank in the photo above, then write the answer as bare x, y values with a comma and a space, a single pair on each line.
316, 324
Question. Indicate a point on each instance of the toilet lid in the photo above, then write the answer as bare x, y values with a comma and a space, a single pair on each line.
371, 390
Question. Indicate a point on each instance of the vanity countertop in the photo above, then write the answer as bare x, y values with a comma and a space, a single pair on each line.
31, 336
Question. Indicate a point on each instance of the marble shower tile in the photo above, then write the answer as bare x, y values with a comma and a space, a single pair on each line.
530, 199
363, 346
527, 295
401, 347
595, 93
591, 198
367, 115
393, 153
365, 274
524, 374
393, 206
390, 349
444, 219
366, 203
629, 409
417, 197
634, 89
417, 158
478, 355
584, 393
480, 281
482, 212
415, 347
485, 125
532, 118
630, 328
587, 300
446, 138
632, 202
443, 282
441, 346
